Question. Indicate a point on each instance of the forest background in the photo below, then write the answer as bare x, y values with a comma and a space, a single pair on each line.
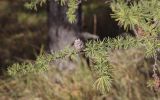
23, 39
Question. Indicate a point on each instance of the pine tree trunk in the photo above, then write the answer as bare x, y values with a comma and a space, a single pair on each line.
61, 32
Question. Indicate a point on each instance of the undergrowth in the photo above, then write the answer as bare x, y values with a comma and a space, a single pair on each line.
116, 65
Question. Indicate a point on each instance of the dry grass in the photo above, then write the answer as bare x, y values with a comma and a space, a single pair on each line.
50, 85
130, 73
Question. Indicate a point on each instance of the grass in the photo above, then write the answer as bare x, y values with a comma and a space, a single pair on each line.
130, 75
49, 85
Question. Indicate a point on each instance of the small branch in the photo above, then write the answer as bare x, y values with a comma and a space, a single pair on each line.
135, 32
95, 24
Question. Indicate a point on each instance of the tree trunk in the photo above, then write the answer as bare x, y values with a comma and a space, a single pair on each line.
61, 32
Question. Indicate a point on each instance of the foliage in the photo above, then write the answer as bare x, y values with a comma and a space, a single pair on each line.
131, 15
117, 65
141, 16
129, 83
98, 52
40, 65
72, 6
33, 4
51, 84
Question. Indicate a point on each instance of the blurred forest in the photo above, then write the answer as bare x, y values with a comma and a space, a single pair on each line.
23, 31
31, 75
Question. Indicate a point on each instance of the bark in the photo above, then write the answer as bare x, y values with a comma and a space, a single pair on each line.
61, 32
